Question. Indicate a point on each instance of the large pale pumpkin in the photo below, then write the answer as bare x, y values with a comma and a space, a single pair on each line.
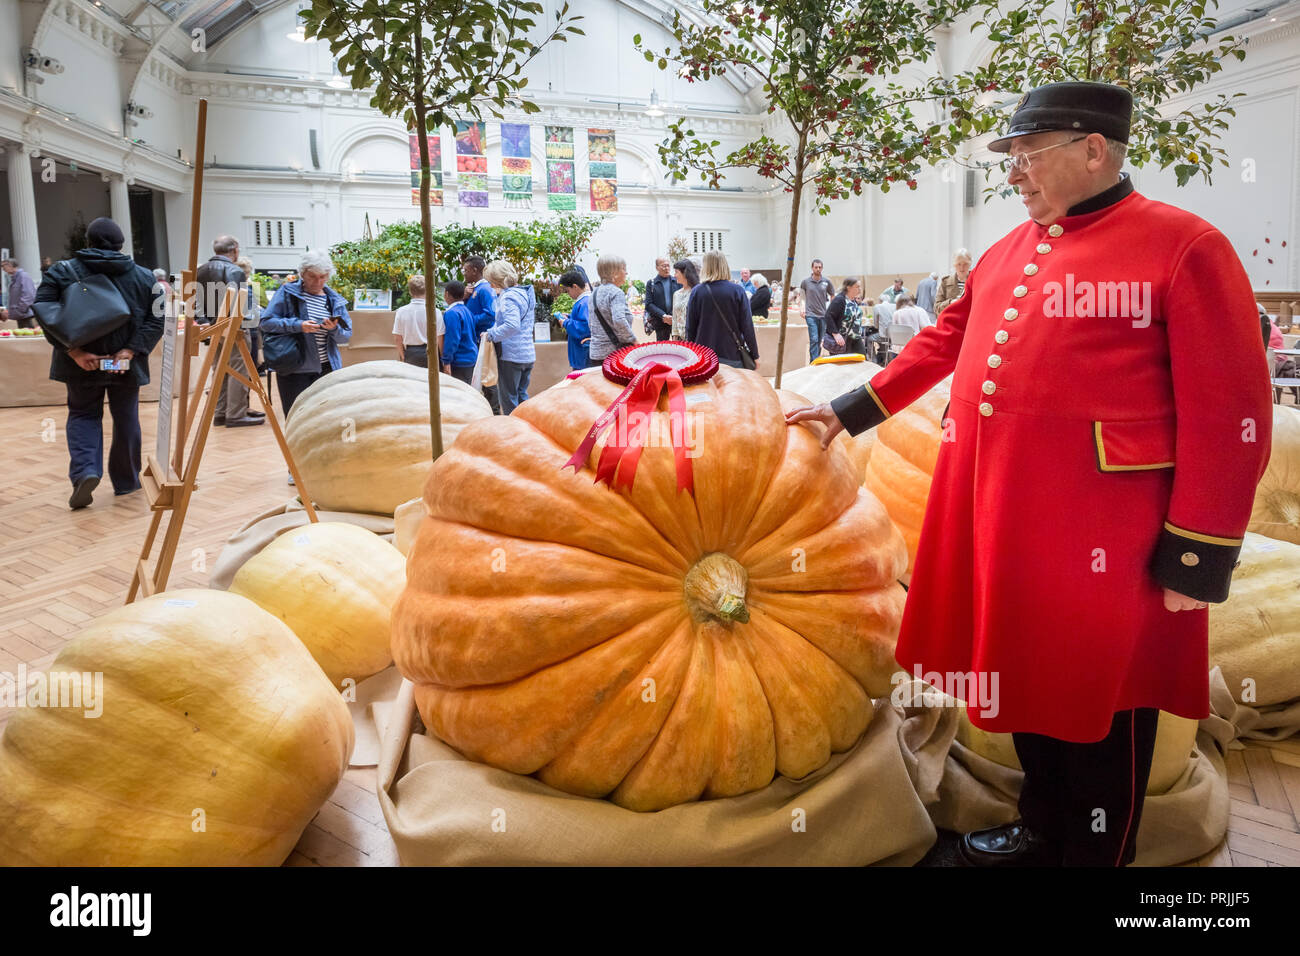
334, 584
361, 435
1276, 511
1255, 634
647, 645
821, 383
1175, 740
902, 463
219, 740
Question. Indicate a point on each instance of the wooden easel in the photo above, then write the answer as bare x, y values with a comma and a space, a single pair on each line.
168, 485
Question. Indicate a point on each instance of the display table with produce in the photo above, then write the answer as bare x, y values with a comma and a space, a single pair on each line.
25, 371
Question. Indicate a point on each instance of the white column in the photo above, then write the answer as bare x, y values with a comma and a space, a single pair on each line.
22, 211
119, 202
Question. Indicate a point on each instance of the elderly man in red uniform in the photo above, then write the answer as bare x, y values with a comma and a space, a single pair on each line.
1109, 422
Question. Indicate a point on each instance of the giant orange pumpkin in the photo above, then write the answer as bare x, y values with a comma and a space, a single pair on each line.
821, 383
902, 462
644, 644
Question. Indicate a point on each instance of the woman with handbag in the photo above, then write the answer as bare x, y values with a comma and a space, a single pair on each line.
688, 277
718, 315
302, 327
127, 342
612, 328
844, 320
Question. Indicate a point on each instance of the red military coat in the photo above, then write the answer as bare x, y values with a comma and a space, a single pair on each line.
1089, 459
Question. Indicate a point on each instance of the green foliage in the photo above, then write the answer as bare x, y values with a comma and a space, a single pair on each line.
1158, 49
830, 69
267, 284
563, 303
538, 249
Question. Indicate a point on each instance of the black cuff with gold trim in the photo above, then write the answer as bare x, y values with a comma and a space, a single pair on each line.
859, 409
1198, 565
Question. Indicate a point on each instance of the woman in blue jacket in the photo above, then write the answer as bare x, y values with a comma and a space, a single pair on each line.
311, 309
516, 305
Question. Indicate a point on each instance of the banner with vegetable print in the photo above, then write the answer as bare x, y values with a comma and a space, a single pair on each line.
602, 169
561, 192
435, 167
471, 164
516, 165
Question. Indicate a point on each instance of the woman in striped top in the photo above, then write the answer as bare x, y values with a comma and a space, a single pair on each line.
314, 310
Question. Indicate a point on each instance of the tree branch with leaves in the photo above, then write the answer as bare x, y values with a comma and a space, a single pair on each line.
433, 62
1158, 49
828, 70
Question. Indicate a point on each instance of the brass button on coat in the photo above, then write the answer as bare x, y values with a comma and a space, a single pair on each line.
1054, 230
995, 361
1044, 248
1001, 337
1010, 315
1190, 559
986, 409
1020, 291
988, 388
1031, 269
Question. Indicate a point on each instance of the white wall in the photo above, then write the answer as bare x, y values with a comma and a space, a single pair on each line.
266, 94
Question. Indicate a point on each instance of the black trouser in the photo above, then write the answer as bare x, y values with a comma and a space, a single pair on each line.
1088, 798
417, 355
463, 372
86, 433
24, 321
294, 384
662, 331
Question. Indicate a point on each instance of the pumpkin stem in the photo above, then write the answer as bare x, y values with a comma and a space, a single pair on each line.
715, 589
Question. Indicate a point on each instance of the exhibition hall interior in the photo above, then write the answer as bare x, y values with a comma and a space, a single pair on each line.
650, 433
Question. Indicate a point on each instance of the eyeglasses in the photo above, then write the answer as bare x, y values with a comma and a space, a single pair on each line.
1020, 162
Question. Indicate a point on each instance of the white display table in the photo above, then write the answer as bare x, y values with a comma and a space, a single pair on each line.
25, 373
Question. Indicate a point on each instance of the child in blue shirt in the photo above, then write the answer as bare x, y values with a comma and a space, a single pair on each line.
577, 326
460, 343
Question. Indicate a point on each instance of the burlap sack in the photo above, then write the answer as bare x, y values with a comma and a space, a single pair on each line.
878, 803
860, 808
269, 525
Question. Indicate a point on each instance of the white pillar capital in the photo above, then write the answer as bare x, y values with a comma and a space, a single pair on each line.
120, 209
22, 210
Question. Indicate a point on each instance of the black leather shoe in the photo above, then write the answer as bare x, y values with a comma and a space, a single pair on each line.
244, 422
253, 414
1012, 844
219, 420
81, 491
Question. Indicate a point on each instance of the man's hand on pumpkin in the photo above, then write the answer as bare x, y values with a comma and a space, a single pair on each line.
817, 413
1181, 602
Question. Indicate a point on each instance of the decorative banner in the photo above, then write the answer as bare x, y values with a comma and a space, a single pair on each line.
435, 168
516, 165
471, 164
602, 157
561, 193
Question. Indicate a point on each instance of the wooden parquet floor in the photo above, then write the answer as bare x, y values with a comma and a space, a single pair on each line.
60, 569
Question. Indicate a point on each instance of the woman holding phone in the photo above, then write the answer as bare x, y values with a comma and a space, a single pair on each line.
311, 308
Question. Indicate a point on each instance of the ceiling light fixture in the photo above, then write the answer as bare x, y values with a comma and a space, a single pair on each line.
654, 108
